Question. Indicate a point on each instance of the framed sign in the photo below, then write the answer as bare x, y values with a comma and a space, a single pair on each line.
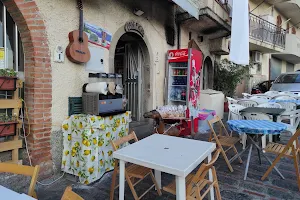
133, 26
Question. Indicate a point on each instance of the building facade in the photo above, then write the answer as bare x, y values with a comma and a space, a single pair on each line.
274, 40
35, 36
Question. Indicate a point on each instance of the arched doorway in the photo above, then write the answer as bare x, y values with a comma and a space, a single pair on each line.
132, 61
208, 74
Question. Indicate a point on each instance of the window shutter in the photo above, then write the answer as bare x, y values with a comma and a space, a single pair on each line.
75, 105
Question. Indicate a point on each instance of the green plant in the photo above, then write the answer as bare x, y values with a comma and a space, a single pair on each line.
6, 118
228, 75
8, 72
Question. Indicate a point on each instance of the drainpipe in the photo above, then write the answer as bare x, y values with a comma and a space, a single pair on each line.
178, 34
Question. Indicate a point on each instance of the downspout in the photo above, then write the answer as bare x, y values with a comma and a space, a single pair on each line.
178, 35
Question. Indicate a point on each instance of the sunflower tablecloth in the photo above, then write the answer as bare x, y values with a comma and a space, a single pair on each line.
87, 150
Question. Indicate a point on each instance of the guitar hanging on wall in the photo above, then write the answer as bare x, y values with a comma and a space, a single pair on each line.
77, 51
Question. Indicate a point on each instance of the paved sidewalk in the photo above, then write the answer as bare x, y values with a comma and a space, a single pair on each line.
232, 184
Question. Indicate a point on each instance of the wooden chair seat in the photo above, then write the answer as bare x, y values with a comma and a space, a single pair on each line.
278, 148
171, 188
70, 195
134, 174
196, 183
137, 171
228, 141
223, 138
290, 150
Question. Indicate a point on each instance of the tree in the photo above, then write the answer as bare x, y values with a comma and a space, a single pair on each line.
228, 75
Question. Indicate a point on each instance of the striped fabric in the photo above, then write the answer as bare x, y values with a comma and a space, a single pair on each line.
281, 100
256, 126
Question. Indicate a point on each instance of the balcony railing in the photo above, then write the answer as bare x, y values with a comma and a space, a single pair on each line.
266, 32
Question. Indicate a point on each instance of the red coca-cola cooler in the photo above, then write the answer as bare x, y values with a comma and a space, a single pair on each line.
183, 79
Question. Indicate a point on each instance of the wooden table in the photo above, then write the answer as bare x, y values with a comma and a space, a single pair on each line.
173, 155
9, 194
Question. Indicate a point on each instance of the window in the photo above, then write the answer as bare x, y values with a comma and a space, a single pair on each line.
288, 78
10, 43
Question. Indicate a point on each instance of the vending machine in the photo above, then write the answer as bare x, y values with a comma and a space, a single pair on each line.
183, 77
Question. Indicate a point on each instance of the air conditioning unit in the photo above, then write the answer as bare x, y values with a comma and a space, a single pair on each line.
256, 56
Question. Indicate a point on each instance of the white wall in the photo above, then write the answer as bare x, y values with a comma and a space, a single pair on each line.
61, 17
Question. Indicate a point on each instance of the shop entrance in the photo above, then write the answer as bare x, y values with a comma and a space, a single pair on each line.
132, 61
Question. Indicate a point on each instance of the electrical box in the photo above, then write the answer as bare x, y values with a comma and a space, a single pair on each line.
59, 54
96, 63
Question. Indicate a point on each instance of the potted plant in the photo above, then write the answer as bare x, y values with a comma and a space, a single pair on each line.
228, 75
8, 79
8, 125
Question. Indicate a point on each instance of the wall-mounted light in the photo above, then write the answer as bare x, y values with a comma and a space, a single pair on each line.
138, 12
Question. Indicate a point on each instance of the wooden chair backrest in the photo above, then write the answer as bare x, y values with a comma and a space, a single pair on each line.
70, 195
23, 170
202, 173
211, 124
293, 139
127, 138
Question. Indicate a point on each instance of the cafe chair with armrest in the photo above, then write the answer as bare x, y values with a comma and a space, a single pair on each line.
195, 183
132, 172
225, 140
23, 170
291, 150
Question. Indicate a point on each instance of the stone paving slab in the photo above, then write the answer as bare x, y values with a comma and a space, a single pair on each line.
232, 185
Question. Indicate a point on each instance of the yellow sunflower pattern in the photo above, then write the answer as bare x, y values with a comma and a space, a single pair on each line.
87, 150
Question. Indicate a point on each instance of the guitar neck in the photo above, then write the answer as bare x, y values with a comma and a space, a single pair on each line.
81, 26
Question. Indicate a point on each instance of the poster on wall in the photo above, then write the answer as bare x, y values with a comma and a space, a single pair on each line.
2, 58
98, 36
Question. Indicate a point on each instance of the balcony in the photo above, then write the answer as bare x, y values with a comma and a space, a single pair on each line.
290, 9
291, 52
265, 36
214, 21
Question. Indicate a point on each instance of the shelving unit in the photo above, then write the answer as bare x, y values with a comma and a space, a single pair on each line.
15, 143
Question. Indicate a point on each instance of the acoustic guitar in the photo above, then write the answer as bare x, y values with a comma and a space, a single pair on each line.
77, 51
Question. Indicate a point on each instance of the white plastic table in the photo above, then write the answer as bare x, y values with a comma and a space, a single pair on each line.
9, 194
172, 155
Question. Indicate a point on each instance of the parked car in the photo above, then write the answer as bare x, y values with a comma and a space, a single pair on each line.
262, 87
287, 82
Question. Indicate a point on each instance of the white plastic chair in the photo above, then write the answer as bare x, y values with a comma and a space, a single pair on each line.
284, 97
247, 103
287, 93
260, 99
234, 114
272, 93
263, 96
288, 106
260, 116
246, 95
269, 105
231, 100
292, 119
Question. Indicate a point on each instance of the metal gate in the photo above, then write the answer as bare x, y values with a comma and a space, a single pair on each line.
134, 62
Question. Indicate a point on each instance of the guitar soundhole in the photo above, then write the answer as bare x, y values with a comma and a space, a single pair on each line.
80, 40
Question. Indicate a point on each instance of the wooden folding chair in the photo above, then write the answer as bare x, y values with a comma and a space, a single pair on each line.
132, 171
195, 183
290, 150
23, 170
226, 140
70, 195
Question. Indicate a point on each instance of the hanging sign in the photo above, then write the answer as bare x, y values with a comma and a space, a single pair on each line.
132, 26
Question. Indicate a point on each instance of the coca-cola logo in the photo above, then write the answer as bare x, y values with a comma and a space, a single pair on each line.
178, 54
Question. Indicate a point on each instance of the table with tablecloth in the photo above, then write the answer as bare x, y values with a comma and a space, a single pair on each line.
87, 150
256, 128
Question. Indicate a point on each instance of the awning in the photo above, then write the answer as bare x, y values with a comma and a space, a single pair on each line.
190, 6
